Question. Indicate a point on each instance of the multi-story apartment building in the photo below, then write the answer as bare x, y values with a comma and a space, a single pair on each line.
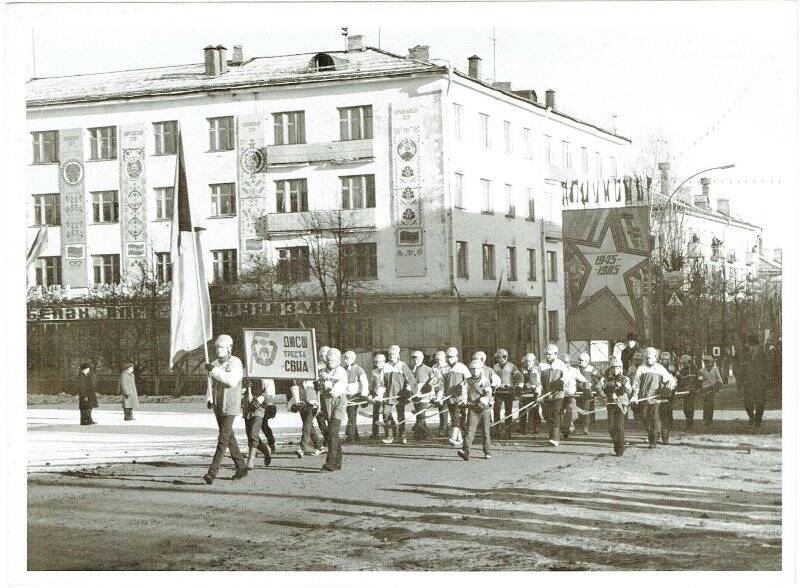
449, 185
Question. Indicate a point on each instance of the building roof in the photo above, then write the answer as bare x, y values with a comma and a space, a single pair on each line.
691, 208
253, 73
190, 78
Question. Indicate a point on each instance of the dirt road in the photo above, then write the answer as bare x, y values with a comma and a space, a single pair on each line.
707, 502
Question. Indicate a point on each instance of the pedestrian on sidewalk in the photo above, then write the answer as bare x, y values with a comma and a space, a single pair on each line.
478, 390
710, 383
127, 389
755, 369
226, 399
688, 382
616, 386
87, 396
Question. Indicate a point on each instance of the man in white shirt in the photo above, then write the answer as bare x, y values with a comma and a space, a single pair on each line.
648, 382
572, 377
332, 383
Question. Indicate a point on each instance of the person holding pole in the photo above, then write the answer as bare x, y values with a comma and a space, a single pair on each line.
478, 392
226, 375
616, 386
426, 379
441, 368
357, 391
648, 383
332, 385
527, 379
254, 406
553, 373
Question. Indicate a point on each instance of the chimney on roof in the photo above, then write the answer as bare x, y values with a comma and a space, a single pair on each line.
701, 202
777, 254
550, 99
222, 56
419, 53
527, 94
663, 167
724, 206
474, 67
211, 61
505, 86
355, 43
237, 57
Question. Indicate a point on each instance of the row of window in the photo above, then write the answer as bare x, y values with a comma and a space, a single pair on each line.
355, 122
360, 261
487, 202
485, 138
291, 196
490, 266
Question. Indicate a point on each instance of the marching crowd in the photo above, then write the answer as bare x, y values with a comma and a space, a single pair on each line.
468, 398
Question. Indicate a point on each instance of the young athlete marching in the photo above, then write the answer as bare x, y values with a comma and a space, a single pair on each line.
425, 377
440, 369
553, 373
616, 386
357, 391
527, 378
507, 372
451, 393
572, 378
400, 386
647, 385
587, 390
478, 392
666, 406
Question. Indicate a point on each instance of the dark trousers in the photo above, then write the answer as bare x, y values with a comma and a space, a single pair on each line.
401, 417
708, 407
553, 408
616, 428
86, 415
309, 434
420, 429
755, 412
454, 411
688, 408
506, 403
128, 414
351, 430
267, 430
568, 414
665, 416
475, 418
322, 417
334, 459
585, 403
389, 422
444, 420
531, 417
652, 422
225, 441
253, 427
376, 419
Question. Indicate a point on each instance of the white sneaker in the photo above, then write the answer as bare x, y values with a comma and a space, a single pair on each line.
388, 440
323, 449
317, 451
299, 453
456, 442
553, 442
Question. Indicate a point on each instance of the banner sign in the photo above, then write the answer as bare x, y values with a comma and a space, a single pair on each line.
406, 120
281, 354
132, 198
73, 208
607, 273
251, 185
630, 191
75, 312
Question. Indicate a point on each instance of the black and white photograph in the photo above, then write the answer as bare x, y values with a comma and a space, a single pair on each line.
400, 287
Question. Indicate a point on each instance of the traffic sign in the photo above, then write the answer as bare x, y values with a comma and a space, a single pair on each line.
674, 300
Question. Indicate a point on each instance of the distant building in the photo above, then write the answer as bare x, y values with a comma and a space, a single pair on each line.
450, 184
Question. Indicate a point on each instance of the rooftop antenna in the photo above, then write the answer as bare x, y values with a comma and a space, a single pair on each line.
494, 55
614, 122
344, 34
33, 52
379, 37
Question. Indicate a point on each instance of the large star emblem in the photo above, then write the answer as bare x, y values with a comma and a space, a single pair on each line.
607, 271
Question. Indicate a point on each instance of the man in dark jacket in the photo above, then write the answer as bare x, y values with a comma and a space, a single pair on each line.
87, 398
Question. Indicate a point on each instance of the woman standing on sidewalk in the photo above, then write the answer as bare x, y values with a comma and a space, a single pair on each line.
127, 388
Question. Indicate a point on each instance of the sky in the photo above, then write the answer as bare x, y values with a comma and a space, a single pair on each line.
716, 81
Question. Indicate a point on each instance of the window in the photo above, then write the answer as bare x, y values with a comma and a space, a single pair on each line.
462, 259
48, 271
613, 163
220, 133
291, 195
598, 165
290, 127
552, 325
361, 260
526, 140
46, 209
164, 202
166, 134
104, 142
356, 333
358, 191
548, 158
355, 123
292, 265
45, 147
511, 207
509, 147
511, 263
486, 192
459, 191
105, 207
531, 204
163, 268
106, 269
224, 265
584, 161
223, 199
485, 138
566, 155
531, 265
323, 62
489, 272
457, 122
552, 266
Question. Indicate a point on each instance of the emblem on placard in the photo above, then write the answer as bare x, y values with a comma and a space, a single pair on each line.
72, 172
134, 167
263, 350
252, 161
407, 149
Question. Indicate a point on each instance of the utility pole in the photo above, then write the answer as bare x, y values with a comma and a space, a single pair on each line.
344, 34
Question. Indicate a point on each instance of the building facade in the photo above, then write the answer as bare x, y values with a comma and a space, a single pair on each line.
448, 187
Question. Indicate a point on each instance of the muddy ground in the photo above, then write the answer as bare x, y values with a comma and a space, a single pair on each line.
705, 502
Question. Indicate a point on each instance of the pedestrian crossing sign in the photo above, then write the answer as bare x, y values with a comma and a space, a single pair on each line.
674, 300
